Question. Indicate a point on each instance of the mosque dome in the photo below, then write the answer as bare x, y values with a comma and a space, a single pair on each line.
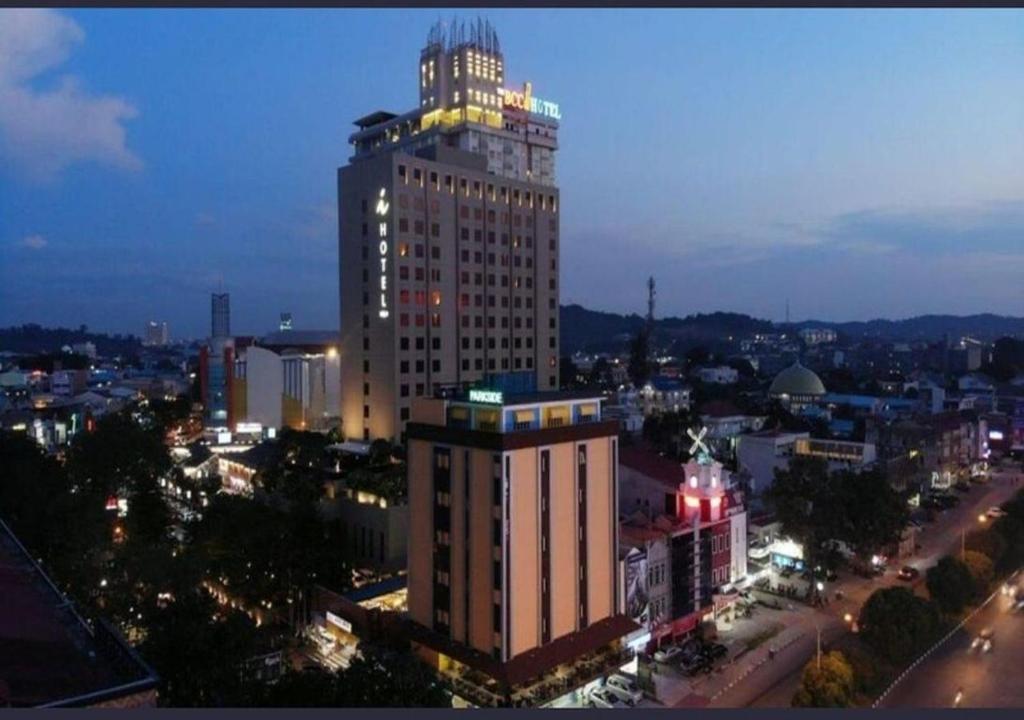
796, 380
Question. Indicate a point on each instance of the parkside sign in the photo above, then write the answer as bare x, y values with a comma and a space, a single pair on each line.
492, 397
526, 101
382, 233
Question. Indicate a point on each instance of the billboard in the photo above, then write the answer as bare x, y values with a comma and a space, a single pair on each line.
637, 599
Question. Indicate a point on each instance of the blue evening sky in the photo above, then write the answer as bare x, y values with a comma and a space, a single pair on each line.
859, 163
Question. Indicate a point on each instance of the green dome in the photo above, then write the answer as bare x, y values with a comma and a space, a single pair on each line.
796, 380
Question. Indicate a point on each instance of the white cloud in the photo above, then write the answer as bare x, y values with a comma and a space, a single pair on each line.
33, 242
42, 131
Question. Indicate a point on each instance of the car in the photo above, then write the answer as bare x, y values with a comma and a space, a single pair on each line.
908, 572
604, 698
698, 665
983, 642
714, 651
626, 688
996, 512
667, 654
1010, 590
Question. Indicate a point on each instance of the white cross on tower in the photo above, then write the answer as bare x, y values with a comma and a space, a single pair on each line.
699, 447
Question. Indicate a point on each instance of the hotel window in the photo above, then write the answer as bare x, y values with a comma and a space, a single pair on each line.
404, 367
401, 171
435, 229
403, 273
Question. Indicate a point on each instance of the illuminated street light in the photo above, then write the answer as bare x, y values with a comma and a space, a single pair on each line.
821, 586
848, 618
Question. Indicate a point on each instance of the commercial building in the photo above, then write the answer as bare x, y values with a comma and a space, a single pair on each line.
513, 524
216, 360
449, 238
758, 455
839, 454
686, 543
289, 378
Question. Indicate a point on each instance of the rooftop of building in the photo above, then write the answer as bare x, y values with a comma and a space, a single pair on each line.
301, 339
647, 462
50, 656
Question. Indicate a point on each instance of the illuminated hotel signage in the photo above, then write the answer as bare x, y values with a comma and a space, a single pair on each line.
526, 101
382, 233
492, 397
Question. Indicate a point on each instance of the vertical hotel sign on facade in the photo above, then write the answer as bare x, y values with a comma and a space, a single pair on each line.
383, 246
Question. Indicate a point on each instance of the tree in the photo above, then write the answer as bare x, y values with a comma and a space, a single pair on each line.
989, 542
808, 506
197, 648
568, 373
950, 584
388, 678
831, 685
982, 572
1011, 530
875, 514
639, 354
897, 624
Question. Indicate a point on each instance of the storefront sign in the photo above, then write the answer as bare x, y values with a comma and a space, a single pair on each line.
526, 101
382, 233
339, 622
493, 397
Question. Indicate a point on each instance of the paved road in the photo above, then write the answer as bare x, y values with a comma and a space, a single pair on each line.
991, 680
774, 685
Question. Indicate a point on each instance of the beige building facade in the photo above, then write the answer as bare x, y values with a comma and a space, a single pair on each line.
513, 541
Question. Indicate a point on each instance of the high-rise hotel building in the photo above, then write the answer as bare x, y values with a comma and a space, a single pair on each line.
449, 238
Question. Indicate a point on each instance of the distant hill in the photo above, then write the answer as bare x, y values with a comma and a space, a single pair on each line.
591, 330
34, 339
986, 326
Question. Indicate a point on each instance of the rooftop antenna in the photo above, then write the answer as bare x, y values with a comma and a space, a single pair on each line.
651, 293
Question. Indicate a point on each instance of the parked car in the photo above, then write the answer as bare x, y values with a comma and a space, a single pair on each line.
996, 512
698, 664
604, 698
667, 654
626, 688
908, 572
714, 651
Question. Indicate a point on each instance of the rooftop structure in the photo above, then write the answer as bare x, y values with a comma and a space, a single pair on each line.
49, 655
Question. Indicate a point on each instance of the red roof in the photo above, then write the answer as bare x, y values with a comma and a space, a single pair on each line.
649, 463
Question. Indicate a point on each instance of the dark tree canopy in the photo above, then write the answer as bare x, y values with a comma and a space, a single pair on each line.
950, 584
897, 624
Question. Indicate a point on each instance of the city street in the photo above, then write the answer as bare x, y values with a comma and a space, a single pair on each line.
773, 685
988, 680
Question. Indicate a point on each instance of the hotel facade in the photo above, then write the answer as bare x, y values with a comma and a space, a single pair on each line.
513, 537
448, 238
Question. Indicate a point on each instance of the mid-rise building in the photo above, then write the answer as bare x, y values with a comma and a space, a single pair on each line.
686, 541
156, 334
449, 238
513, 562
